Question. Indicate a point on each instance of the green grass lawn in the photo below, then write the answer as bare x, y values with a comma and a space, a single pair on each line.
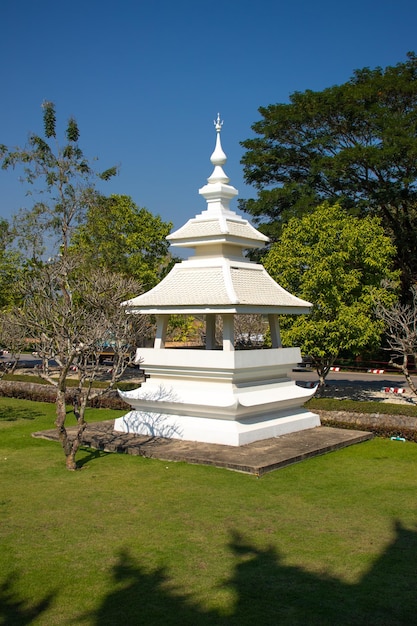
128, 540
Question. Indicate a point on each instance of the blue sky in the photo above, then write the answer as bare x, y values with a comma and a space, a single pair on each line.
145, 80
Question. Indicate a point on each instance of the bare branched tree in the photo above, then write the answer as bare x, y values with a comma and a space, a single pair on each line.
401, 332
12, 336
250, 330
70, 314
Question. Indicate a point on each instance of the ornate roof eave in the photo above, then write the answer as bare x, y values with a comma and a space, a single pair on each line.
218, 309
202, 230
219, 283
218, 278
238, 242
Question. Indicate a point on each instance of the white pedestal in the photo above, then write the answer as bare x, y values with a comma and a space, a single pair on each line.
230, 398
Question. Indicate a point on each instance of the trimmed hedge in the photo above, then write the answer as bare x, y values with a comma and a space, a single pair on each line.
361, 406
71, 382
47, 393
380, 425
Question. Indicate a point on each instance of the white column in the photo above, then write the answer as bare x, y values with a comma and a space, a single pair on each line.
275, 332
161, 331
228, 332
210, 331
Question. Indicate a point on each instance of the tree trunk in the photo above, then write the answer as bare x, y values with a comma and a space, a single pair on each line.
79, 405
404, 369
322, 383
61, 414
70, 463
322, 369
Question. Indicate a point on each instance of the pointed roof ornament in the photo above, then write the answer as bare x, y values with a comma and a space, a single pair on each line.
219, 278
218, 158
218, 225
218, 124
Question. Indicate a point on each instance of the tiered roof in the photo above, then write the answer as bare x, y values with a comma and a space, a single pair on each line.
218, 278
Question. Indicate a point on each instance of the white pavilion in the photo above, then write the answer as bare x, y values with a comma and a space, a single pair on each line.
217, 394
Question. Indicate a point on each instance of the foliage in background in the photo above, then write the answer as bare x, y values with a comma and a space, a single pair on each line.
12, 270
184, 328
250, 330
400, 322
11, 265
336, 262
119, 236
354, 143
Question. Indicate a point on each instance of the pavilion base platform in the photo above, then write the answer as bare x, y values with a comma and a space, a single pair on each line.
206, 430
228, 398
256, 458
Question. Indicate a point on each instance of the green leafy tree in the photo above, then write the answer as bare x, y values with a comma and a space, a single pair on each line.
11, 271
120, 236
354, 143
184, 328
63, 175
337, 262
10, 265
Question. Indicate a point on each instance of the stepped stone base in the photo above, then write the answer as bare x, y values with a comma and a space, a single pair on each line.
230, 398
205, 430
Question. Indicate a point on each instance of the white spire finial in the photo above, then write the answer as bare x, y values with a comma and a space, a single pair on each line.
218, 192
218, 158
218, 124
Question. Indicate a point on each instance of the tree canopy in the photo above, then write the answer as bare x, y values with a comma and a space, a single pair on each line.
121, 237
337, 262
354, 143
10, 265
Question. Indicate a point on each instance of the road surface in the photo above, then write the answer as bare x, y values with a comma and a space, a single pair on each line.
360, 379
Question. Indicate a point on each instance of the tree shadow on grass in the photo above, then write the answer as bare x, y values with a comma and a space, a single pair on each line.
140, 597
275, 593
271, 593
14, 610
90, 455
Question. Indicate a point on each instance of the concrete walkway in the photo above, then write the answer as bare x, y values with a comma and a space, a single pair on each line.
254, 458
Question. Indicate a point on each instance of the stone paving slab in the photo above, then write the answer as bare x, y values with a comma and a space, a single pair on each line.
256, 458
